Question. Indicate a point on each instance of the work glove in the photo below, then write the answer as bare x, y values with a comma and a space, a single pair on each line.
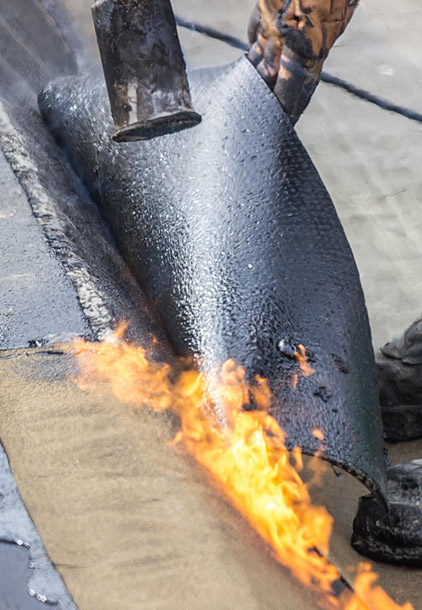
289, 41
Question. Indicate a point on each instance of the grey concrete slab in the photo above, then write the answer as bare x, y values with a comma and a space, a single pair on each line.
36, 298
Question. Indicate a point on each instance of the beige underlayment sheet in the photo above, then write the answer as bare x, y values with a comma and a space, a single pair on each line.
129, 523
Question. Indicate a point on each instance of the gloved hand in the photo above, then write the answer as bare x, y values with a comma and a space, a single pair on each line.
289, 41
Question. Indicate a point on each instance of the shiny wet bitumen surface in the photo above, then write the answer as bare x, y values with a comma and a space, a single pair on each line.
240, 250
368, 158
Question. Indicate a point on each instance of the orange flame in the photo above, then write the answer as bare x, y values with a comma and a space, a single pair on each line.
303, 360
247, 458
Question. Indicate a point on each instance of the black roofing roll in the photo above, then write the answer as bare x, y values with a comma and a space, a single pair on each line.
394, 536
232, 234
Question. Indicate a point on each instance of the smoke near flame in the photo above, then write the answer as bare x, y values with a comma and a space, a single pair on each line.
246, 458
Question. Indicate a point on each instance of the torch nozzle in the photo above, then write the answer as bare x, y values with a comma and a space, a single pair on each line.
144, 69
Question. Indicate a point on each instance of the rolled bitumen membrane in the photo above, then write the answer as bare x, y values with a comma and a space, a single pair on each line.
232, 235
400, 383
395, 536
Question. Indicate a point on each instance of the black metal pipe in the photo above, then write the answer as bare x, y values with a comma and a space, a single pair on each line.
144, 68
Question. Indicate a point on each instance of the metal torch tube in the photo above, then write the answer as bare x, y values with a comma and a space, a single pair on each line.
143, 67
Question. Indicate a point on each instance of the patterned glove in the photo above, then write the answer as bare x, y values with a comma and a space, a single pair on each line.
289, 41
